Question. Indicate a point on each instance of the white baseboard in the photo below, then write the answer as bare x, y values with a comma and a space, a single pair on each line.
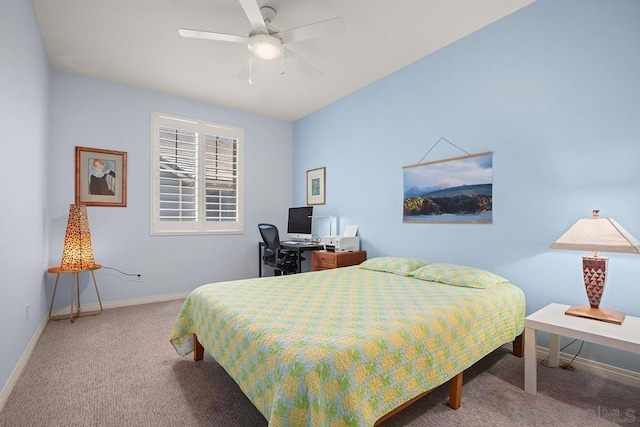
607, 371
122, 303
11, 382
13, 378
614, 373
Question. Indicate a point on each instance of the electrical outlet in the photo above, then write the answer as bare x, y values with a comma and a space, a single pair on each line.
26, 312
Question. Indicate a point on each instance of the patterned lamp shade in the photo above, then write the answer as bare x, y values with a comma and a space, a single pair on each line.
77, 253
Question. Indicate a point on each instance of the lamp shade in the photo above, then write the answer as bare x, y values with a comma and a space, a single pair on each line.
77, 253
598, 235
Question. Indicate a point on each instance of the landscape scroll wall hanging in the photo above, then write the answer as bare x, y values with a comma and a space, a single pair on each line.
455, 190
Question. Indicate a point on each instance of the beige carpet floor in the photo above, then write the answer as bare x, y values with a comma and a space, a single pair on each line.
119, 369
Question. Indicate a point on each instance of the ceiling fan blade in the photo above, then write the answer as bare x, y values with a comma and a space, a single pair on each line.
196, 34
301, 64
322, 28
252, 10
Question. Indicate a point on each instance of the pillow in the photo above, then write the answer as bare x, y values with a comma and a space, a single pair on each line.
458, 275
396, 265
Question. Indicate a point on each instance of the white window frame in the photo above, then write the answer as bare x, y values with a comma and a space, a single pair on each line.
200, 225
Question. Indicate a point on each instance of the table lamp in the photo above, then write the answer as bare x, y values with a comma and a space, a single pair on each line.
596, 234
77, 253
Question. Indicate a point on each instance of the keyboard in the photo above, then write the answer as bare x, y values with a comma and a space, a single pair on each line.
299, 243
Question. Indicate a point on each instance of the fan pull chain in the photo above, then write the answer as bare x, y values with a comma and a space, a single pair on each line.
282, 69
250, 70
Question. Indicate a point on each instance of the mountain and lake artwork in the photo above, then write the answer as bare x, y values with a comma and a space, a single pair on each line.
457, 190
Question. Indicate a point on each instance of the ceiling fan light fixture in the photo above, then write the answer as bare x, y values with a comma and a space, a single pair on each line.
265, 46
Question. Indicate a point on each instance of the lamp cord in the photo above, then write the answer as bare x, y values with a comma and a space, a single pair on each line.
565, 365
122, 272
568, 365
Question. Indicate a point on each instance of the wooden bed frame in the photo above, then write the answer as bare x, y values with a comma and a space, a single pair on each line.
455, 383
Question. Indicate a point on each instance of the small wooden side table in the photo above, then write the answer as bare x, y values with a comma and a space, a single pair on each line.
75, 285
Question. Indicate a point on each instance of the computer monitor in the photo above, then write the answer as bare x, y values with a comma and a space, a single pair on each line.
299, 224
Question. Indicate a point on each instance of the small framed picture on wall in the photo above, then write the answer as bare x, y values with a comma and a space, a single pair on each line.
101, 177
316, 186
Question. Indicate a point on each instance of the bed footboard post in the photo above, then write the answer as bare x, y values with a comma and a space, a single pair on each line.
518, 345
455, 391
198, 349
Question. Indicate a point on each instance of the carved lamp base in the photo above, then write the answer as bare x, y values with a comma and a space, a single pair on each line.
603, 314
594, 269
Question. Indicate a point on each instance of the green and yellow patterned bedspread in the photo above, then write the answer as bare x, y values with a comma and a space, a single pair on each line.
343, 347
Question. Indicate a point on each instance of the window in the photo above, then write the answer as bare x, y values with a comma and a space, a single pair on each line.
197, 177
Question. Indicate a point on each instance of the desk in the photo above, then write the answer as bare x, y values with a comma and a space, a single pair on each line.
75, 283
552, 319
299, 247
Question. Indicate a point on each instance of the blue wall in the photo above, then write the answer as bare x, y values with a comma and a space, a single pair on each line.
24, 89
553, 91
45, 114
95, 113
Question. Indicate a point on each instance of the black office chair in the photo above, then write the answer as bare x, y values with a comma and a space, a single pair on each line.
282, 261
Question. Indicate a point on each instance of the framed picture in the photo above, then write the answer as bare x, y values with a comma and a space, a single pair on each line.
456, 190
316, 190
101, 177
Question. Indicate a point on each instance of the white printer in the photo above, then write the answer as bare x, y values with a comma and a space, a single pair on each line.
341, 243
348, 242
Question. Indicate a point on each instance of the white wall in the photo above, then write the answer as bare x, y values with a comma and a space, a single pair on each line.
24, 83
95, 113
553, 91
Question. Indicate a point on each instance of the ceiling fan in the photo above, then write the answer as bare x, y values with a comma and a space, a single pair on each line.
267, 42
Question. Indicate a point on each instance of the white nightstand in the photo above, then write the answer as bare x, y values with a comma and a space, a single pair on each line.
552, 319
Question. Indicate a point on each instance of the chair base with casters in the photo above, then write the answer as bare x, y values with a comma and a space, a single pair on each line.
286, 265
282, 261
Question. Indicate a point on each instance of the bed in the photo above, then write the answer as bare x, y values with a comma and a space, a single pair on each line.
351, 346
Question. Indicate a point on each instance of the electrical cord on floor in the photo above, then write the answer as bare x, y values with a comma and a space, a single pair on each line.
122, 272
564, 365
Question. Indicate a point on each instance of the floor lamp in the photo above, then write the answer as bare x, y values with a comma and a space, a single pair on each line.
77, 256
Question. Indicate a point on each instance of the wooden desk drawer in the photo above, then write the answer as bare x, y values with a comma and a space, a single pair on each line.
324, 260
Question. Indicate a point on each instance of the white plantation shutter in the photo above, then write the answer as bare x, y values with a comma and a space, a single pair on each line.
196, 176
221, 171
177, 168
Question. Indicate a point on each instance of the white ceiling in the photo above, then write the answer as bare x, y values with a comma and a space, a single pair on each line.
136, 42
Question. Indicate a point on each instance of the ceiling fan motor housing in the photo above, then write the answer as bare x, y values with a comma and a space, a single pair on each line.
268, 13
